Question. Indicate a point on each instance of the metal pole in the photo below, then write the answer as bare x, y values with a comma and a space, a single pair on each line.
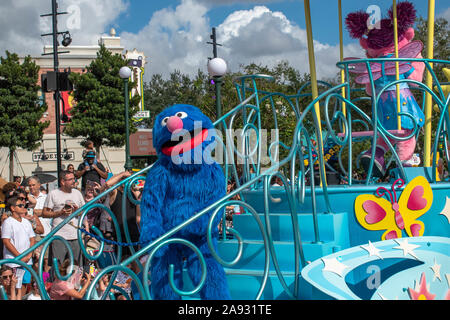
429, 82
218, 84
397, 72
314, 88
128, 165
56, 94
213, 37
341, 54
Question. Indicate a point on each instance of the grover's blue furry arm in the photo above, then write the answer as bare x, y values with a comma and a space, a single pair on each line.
152, 203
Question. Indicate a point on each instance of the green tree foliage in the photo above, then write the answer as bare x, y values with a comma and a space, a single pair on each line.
441, 49
160, 93
20, 108
200, 91
99, 112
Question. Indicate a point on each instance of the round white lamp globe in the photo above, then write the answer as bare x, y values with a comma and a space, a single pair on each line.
217, 67
125, 72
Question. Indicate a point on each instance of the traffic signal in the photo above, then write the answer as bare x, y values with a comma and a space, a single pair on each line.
64, 83
52, 81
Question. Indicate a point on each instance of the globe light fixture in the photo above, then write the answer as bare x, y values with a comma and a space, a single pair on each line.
217, 67
125, 72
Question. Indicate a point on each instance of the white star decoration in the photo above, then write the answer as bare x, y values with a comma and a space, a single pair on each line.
446, 211
372, 250
437, 270
384, 298
333, 265
406, 247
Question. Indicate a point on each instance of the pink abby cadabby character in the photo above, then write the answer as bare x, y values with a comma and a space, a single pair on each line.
379, 43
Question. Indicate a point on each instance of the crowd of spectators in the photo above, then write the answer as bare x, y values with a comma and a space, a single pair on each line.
31, 212
36, 212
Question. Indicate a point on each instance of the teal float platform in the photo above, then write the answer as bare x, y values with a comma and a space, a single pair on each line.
414, 268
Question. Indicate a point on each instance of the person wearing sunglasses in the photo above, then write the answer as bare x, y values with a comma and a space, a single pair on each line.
17, 237
8, 281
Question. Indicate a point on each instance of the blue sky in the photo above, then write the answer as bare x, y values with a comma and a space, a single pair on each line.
324, 13
173, 33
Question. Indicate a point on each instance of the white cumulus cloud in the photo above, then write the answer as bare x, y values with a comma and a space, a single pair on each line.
173, 39
22, 25
262, 36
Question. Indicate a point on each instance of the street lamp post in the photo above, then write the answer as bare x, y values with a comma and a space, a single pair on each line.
217, 67
125, 74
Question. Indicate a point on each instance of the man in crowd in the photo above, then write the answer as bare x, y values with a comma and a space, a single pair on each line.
35, 192
90, 170
17, 237
59, 204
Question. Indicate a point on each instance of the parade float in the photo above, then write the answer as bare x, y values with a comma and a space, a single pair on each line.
358, 237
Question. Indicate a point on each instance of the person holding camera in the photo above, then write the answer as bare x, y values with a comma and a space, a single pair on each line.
59, 204
91, 169
70, 289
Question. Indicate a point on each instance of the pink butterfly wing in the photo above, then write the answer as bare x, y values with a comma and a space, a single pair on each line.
403, 68
411, 50
365, 79
416, 200
375, 213
415, 229
392, 235
361, 66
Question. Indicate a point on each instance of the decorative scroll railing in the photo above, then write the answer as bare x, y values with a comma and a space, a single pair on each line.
240, 139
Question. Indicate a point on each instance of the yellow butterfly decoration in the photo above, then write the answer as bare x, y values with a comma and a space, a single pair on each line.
377, 213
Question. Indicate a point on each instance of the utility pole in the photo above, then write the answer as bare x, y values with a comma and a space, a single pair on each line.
56, 94
214, 42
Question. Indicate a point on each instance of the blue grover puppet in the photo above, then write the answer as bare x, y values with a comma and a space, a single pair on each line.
182, 182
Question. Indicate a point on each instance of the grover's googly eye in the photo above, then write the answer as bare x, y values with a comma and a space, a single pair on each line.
164, 121
181, 114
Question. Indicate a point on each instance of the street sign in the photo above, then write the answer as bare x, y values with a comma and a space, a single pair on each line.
142, 114
141, 143
52, 156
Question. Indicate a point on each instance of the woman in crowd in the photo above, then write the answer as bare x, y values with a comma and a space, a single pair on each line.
8, 280
67, 289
